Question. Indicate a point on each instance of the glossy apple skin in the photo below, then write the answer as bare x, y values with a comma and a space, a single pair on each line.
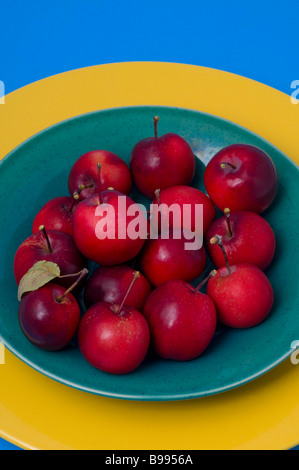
114, 343
164, 259
253, 240
110, 284
47, 323
64, 253
114, 173
251, 185
244, 298
182, 321
108, 251
190, 196
161, 162
56, 215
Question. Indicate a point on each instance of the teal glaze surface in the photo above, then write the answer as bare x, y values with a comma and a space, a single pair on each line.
37, 171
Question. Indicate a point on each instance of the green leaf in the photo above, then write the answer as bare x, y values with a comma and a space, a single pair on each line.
38, 275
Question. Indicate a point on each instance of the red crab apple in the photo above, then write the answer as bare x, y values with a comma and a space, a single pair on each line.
241, 177
182, 199
242, 294
161, 162
49, 316
102, 228
83, 177
174, 257
246, 237
50, 245
114, 338
57, 214
110, 283
182, 320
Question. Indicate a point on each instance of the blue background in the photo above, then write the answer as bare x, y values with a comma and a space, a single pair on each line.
256, 39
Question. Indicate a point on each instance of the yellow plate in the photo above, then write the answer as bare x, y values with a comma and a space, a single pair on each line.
37, 412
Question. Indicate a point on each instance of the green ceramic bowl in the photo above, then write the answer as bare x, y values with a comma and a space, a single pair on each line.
37, 171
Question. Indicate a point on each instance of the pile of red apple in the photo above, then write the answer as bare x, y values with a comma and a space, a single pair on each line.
141, 296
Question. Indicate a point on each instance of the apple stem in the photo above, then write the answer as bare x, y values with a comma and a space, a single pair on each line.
223, 165
212, 274
75, 198
156, 119
81, 275
81, 188
42, 229
227, 215
217, 240
158, 196
66, 276
135, 276
99, 166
